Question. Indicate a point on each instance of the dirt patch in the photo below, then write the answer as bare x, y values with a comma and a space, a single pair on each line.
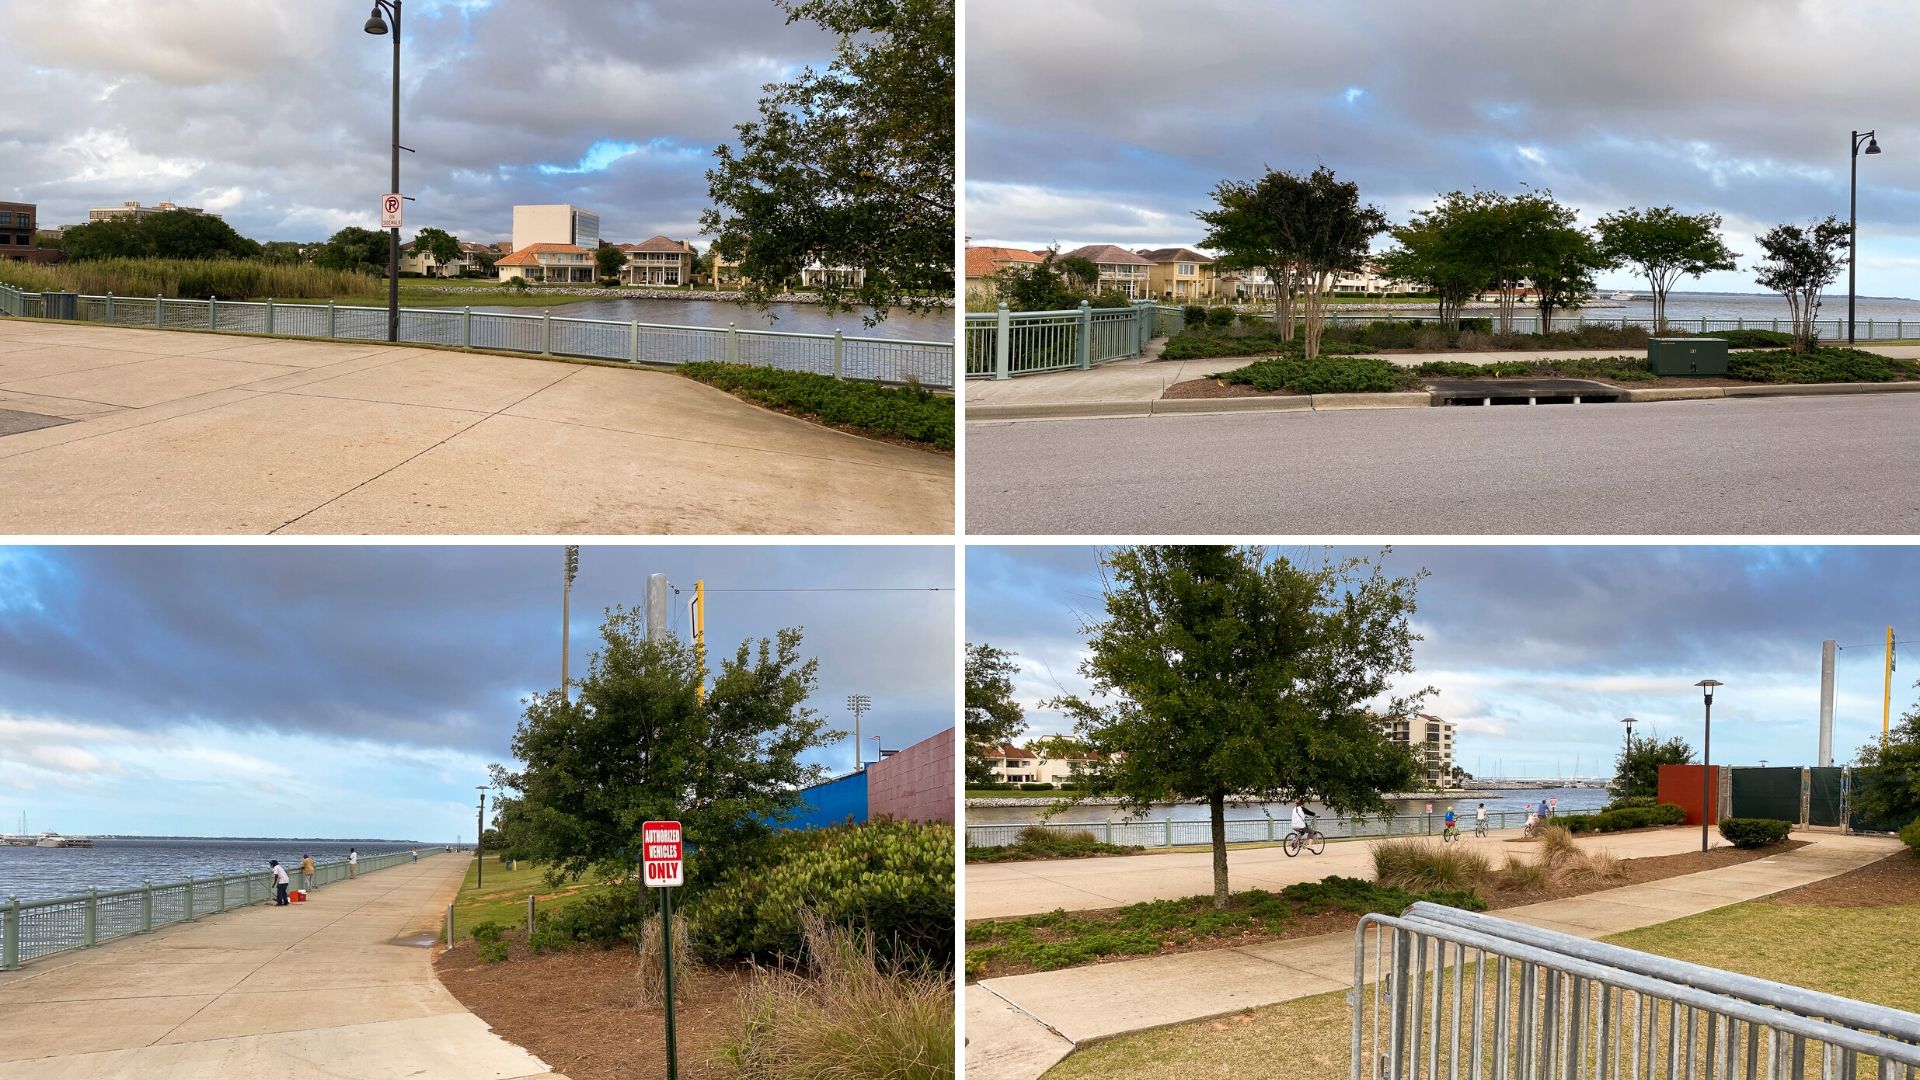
1214, 388
577, 1011
1894, 880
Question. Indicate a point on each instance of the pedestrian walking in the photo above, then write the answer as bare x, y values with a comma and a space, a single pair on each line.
416, 854
306, 873
353, 863
279, 883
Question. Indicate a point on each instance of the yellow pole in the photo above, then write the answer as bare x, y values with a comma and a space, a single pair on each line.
1886, 700
700, 638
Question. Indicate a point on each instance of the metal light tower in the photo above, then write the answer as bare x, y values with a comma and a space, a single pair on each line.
1706, 762
1853, 198
480, 839
570, 571
376, 25
859, 703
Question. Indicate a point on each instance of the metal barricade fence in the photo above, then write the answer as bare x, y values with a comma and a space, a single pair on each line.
1440, 992
30, 929
867, 359
1250, 830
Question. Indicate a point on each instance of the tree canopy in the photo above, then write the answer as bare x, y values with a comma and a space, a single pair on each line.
608, 259
1887, 791
1229, 672
637, 742
1636, 768
1800, 262
354, 248
173, 234
1055, 283
852, 167
1664, 245
441, 244
992, 715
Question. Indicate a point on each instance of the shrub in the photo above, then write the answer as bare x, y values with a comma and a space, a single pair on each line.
1633, 802
1327, 375
1416, 864
650, 971
1595, 868
1526, 876
1221, 317
1040, 842
1477, 325
853, 1018
893, 879
1036, 787
487, 932
1748, 833
1556, 845
1631, 817
902, 412
1364, 897
992, 785
1193, 315
1910, 836
492, 952
1755, 339
1819, 366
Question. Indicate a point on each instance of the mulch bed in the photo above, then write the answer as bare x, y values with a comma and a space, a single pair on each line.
1894, 880
1214, 388
578, 1011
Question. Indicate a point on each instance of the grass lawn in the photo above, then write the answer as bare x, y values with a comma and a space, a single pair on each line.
1807, 937
504, 900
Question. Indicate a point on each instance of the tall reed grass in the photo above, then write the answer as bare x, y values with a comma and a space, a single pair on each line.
1418, 865
191, 279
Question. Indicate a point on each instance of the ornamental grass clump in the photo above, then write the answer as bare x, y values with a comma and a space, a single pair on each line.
1420, 865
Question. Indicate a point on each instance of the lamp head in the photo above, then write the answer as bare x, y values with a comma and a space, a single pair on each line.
1706, 687
376, 23
1873, 145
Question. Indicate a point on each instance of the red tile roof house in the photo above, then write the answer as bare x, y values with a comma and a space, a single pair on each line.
552, 263
658, 260
1119, 268
984, 262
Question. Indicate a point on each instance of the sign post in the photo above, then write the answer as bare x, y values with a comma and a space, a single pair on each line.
390, 206
661, 867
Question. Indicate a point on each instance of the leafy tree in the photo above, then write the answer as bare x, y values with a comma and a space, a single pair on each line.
1227, 672
608, 259
993, 716
1800, 262
1889, 796
1242, 227
636, 742
1636, 768
1664, 245
354, 248
851, 167
174, 234
439, 243
1435, 250
482, 261
1055, 283
1562, 268
284, 251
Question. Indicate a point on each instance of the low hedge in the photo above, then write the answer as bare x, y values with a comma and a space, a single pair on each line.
1327, 375
1632, 802
1754, 339
901, 412
1631, 817
1193, 315
1036, 787
1910, 836
1820, 366
1746, 833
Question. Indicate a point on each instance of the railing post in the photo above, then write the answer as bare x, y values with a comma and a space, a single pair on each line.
189, 905
546, 331
159, 310
839, 352
1169, 824
223, 892
146, 908
529, 913
213, 313
109, 305
10, 935
733, 346
1002, 342
466, 328
633, 340
1083, 348
269, 314
332, 318
90, 923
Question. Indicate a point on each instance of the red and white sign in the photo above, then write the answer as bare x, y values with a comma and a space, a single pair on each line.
390, 211
660, 856
1555, 801
1429, 808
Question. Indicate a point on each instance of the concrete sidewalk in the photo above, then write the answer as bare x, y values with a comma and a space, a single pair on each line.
118, 430
1002, 890
1133, 387
340, 986
1020, 1026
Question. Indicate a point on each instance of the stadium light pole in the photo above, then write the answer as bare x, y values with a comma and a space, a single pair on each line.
377, 26
1706, 760
859, 703
1853, 198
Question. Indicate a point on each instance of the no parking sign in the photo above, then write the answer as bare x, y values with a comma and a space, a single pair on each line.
390, 211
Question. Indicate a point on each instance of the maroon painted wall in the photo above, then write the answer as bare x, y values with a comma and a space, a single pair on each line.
915, 784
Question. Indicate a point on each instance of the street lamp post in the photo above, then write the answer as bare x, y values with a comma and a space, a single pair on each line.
1853, 196
1629, 721
1706, 761
480, 839
377, 25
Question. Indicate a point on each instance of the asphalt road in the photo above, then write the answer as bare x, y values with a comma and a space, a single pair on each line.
1788, 465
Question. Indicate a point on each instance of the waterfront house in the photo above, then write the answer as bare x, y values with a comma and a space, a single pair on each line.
985, 262
549, 263
1119, 268
814, 275
658, 260
417, 260
1179, 275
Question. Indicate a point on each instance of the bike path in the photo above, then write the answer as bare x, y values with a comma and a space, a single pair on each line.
1020, 1026
340, 986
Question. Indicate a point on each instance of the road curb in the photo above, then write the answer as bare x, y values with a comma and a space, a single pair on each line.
1060, 410
1412, 399
1673, 393
1232, 405
1819, 389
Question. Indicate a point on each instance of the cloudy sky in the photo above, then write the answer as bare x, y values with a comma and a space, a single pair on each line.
1085, 128
276, 114
361, 692
1538, 652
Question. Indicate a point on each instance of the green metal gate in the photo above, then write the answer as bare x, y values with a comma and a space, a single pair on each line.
1767, 793
1827, 796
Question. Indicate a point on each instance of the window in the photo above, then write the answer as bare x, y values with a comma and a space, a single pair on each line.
23, 238
22, 220
1186, 269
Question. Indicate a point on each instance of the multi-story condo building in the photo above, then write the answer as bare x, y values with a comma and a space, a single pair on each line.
555, 223
135, 211
1181, 275
1431, 740
658, 260
1119, 268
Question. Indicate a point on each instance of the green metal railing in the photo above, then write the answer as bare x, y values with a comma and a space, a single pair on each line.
1253, 830
1003, 343
30, 929
1830, 330
884, 360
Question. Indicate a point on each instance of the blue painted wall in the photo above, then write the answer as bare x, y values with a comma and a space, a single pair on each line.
831, 803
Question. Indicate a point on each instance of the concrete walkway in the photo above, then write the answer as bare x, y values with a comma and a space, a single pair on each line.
340, 986
118, 430
1022, 1025
1002, 890
1130, 387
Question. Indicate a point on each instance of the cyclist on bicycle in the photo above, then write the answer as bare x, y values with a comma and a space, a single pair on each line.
1300, 817
1533, 820
1480, 818
1452, 830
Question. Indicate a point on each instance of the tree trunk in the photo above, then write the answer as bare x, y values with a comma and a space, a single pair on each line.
1217, 806
1659, 308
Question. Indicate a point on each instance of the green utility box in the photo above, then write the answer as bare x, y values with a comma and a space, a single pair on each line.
1687, 356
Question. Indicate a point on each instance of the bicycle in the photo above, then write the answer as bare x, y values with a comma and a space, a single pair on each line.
1312, 839
1480, 828
1450, 834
